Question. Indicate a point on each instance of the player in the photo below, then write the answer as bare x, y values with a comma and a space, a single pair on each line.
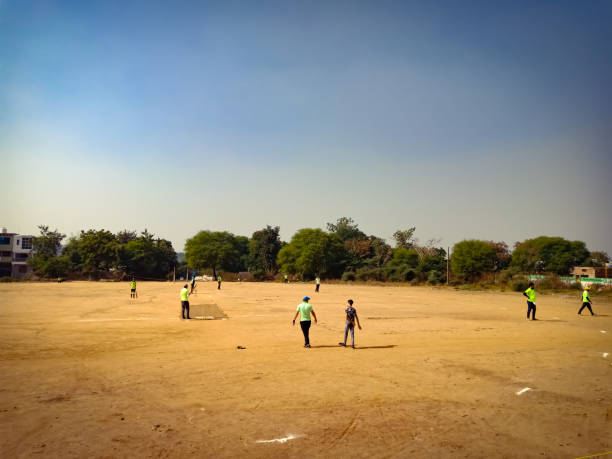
351, 317
586, 301
304, 309
219, 280
133, 289
531, 298
317, 284
286, 278
193, 284
185, 301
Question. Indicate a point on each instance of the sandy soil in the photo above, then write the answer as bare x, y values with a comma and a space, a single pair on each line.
87, 372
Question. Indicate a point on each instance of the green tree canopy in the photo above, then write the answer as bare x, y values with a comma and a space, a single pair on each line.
98, 252
216, 250
147, 257
403, 265
313, 252
45, 261
264, 246
472, 258
550, 254
404, 239
345, 228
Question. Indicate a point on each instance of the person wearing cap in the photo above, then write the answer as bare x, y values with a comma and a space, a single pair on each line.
531, 298
185, 301
351, 318
586, 301
304, 309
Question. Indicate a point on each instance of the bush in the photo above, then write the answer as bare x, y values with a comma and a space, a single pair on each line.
550, 283
369, 274
519, 284
6, 279
348, 276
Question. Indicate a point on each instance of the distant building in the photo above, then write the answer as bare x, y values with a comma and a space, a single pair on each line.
15, 250
589, 271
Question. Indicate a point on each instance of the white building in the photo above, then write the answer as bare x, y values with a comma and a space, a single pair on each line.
15, 250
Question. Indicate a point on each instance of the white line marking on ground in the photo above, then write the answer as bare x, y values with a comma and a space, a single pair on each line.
556, 318
603, 331
604, 354
280, 440
522, 391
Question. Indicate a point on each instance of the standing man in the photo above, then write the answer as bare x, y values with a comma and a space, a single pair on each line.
317, 284
185, 301
586, 301
192, 284
133, 289
304, 309
219, 281
531, 297
286, 279
351, 317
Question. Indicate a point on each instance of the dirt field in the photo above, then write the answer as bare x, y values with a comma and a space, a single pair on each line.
87, 372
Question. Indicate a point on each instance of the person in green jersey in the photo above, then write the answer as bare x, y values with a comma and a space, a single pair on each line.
531, 298
133, 288
185, 301
286, 279
304, 309
586, 301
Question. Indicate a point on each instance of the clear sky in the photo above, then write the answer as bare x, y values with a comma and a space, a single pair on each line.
486, 119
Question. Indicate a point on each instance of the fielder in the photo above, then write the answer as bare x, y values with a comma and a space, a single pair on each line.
586, 301
531, 298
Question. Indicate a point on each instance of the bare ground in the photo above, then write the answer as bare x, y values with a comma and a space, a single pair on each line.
87, 372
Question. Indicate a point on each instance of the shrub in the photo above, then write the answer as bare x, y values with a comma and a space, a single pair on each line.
550, 283
348, 276
519, 284
6, 279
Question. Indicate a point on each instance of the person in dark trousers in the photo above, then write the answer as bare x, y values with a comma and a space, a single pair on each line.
133, 288
304, 309
531, 298
185, 301
317, 284
286, 279
192, 285
219, 280
586, 301
351, 317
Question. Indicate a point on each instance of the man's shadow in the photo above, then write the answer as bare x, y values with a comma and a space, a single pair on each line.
388, 346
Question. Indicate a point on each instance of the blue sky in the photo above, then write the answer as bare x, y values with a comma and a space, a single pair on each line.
465, 119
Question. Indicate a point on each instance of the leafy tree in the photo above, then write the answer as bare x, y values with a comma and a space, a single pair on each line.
472, 258
264, 246
403, 265
313, 252
345, 228
599, 259
125, 236
148, 257
98, 251
45, 261
432, 265
404, 239
216, 250
381, 252
550, 254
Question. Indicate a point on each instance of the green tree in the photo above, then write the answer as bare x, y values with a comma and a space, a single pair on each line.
264, 246
403, 265
345, 228
98, 252
45, 260
472, 258
404, 239
550, 254
599, 259
313, 252
216, 250
148, 257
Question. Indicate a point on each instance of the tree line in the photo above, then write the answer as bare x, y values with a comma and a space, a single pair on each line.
343, 251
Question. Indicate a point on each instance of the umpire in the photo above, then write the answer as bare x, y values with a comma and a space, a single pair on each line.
185, 301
